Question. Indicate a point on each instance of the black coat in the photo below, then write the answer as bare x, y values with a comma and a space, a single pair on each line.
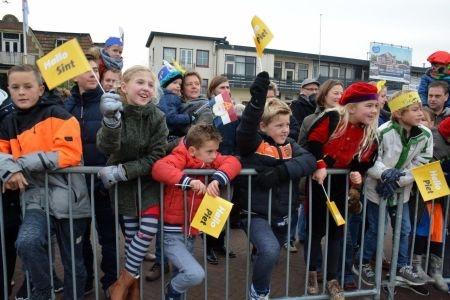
303, 107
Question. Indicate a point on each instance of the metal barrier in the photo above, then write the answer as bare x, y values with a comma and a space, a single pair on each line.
360, 291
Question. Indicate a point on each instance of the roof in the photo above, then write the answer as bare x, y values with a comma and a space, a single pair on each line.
47, 39
184, 36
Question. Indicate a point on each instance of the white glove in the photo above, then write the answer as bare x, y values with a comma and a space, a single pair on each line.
110, 107
111, 175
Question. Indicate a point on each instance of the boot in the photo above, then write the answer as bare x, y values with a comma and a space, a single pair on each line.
119, 289
435, 271
134, 292
313, 286
417, 267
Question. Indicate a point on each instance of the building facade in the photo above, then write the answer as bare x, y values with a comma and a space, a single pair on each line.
211, 56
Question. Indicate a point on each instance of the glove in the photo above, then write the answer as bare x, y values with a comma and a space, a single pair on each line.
391, 175
110, 107
111, 175
271, 176
259, 88
386, 189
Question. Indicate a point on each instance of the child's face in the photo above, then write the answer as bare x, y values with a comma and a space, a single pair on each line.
24, 89
277, 129
207, 153
223, 87
382, 97
110, 80
412, 116
114, 51
175, 87
140, 89
425, 122
87, 80
333, 96
365, 112
191, 87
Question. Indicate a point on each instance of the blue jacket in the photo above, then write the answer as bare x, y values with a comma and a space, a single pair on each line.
86, 108
170, 104
425, 81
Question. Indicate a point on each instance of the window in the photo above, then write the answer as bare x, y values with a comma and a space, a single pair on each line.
204, 87
324, 70
202, 58
289, 65
11, 42
244, 65
349, 73
59, 42
186, 58
302, 71
169, 54
278, 70
289, 75
334, 71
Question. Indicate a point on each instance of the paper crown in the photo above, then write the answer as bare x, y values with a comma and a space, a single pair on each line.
381, 85
169, 73
404, 100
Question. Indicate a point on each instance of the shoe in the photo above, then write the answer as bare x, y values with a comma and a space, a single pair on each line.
222, 251
211, 257
334, 290
119, 289
291, 246
155, 272
407, 275
435, 272
418, 289
88, 287
367, 274
22, 293
313, 286
150, 257
58, 285
417, 268
254, 295
170, 293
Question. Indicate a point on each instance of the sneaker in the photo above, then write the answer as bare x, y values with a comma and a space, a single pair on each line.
334, 290
58, 285
155, 272
22, 293
291, 246
418, 289
313, 286
407, 275
367, 274
254, 295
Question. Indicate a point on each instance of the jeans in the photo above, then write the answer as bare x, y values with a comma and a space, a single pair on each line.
105, 226
32, 248
187, 272
268, 240
301, 224
370, 242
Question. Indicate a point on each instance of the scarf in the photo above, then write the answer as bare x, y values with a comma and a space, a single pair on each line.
111, 63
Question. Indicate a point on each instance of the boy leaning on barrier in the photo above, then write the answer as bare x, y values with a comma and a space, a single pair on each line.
198, 150
403, 145
41, 136
263, 142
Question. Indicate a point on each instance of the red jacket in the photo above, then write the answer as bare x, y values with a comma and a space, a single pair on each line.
169, 170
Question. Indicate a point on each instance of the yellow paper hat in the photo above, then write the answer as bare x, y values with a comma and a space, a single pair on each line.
380, 85
404, 100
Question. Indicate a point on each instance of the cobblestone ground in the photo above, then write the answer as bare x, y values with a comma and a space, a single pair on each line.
216, 277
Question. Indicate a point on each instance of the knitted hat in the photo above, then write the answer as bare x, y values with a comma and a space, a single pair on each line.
168, 74
444, 128
439, 57
111, 41
359, 92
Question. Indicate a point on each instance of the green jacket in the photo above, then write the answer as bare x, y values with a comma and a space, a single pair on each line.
137, 144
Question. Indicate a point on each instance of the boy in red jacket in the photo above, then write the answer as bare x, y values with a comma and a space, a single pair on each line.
198, 150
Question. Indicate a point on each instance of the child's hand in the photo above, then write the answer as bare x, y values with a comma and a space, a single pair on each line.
213, 188
16, 181
198, 186
319, 175
356, 178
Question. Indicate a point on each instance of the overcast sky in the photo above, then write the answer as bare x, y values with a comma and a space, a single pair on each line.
348, 26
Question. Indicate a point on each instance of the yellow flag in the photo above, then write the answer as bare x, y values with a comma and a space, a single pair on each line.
212, 214
63, 63
431, 181
263, 35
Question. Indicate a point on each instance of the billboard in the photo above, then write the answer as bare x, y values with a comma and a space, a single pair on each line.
390, 62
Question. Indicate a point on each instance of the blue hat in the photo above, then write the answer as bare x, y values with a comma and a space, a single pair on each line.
111, 41
168, 74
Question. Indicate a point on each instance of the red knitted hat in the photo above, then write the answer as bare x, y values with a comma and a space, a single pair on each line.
439, 57
358, 92
444, 128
